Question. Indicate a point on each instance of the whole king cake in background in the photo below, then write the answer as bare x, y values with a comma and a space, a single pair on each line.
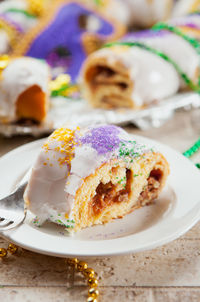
16, 18
133, 69
184, 7
24, 90
68, 32
145, 67
92, 175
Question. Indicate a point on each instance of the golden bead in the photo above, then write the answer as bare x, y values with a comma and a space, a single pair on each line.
3, 252
92, 282
93, 292
72, 261
4, 61
89, 273
12, 248
81, 266
91, 299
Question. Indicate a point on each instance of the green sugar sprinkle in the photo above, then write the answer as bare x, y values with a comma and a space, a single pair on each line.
72, 221
65, 225
122, 180
59, 221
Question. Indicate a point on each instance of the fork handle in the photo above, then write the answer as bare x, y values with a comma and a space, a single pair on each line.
13, 198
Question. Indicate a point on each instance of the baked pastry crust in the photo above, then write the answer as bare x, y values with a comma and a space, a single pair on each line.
93, 175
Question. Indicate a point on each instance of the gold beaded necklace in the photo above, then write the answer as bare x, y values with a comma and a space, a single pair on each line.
80, 266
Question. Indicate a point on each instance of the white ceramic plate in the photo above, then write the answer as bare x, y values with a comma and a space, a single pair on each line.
78, 112
174, 213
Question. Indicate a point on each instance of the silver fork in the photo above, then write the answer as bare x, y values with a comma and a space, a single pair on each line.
12, 210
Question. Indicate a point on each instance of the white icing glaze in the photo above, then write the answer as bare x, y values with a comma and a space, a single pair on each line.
19, 4
19, 75
121, 11
4, 42
183, 7
176, 48
52, 187
22, 20
145, 13
153, 77
182, 20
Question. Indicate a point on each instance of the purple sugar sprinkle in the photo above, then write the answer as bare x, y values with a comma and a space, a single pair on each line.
145, 34
103, 139
8, 20
188, 24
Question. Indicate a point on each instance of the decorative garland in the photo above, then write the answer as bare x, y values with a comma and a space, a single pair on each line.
183, 75
80, 266
192, 150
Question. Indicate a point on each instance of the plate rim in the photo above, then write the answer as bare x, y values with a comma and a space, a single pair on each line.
10, 235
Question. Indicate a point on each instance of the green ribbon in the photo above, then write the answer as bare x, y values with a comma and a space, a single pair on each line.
160, 54
178, 32
195, 43
61, 90
21, 11
192, 150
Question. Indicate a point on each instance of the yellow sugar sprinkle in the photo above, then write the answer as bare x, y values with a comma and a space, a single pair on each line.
66, 137
57, 148
51, 165
66, 216
44, 164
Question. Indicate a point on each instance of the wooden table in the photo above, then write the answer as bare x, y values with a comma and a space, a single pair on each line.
170, 273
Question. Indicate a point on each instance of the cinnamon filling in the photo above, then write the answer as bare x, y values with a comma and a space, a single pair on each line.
108, 194
31, 104
104, 72
102, 75
150, 192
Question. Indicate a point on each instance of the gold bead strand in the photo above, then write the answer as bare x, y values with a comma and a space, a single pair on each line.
90, 275
80, 266
12, 249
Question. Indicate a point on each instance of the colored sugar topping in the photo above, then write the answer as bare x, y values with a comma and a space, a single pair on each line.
131, 149
103, 139
148, 33
106, 140
67, 140
191, 25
